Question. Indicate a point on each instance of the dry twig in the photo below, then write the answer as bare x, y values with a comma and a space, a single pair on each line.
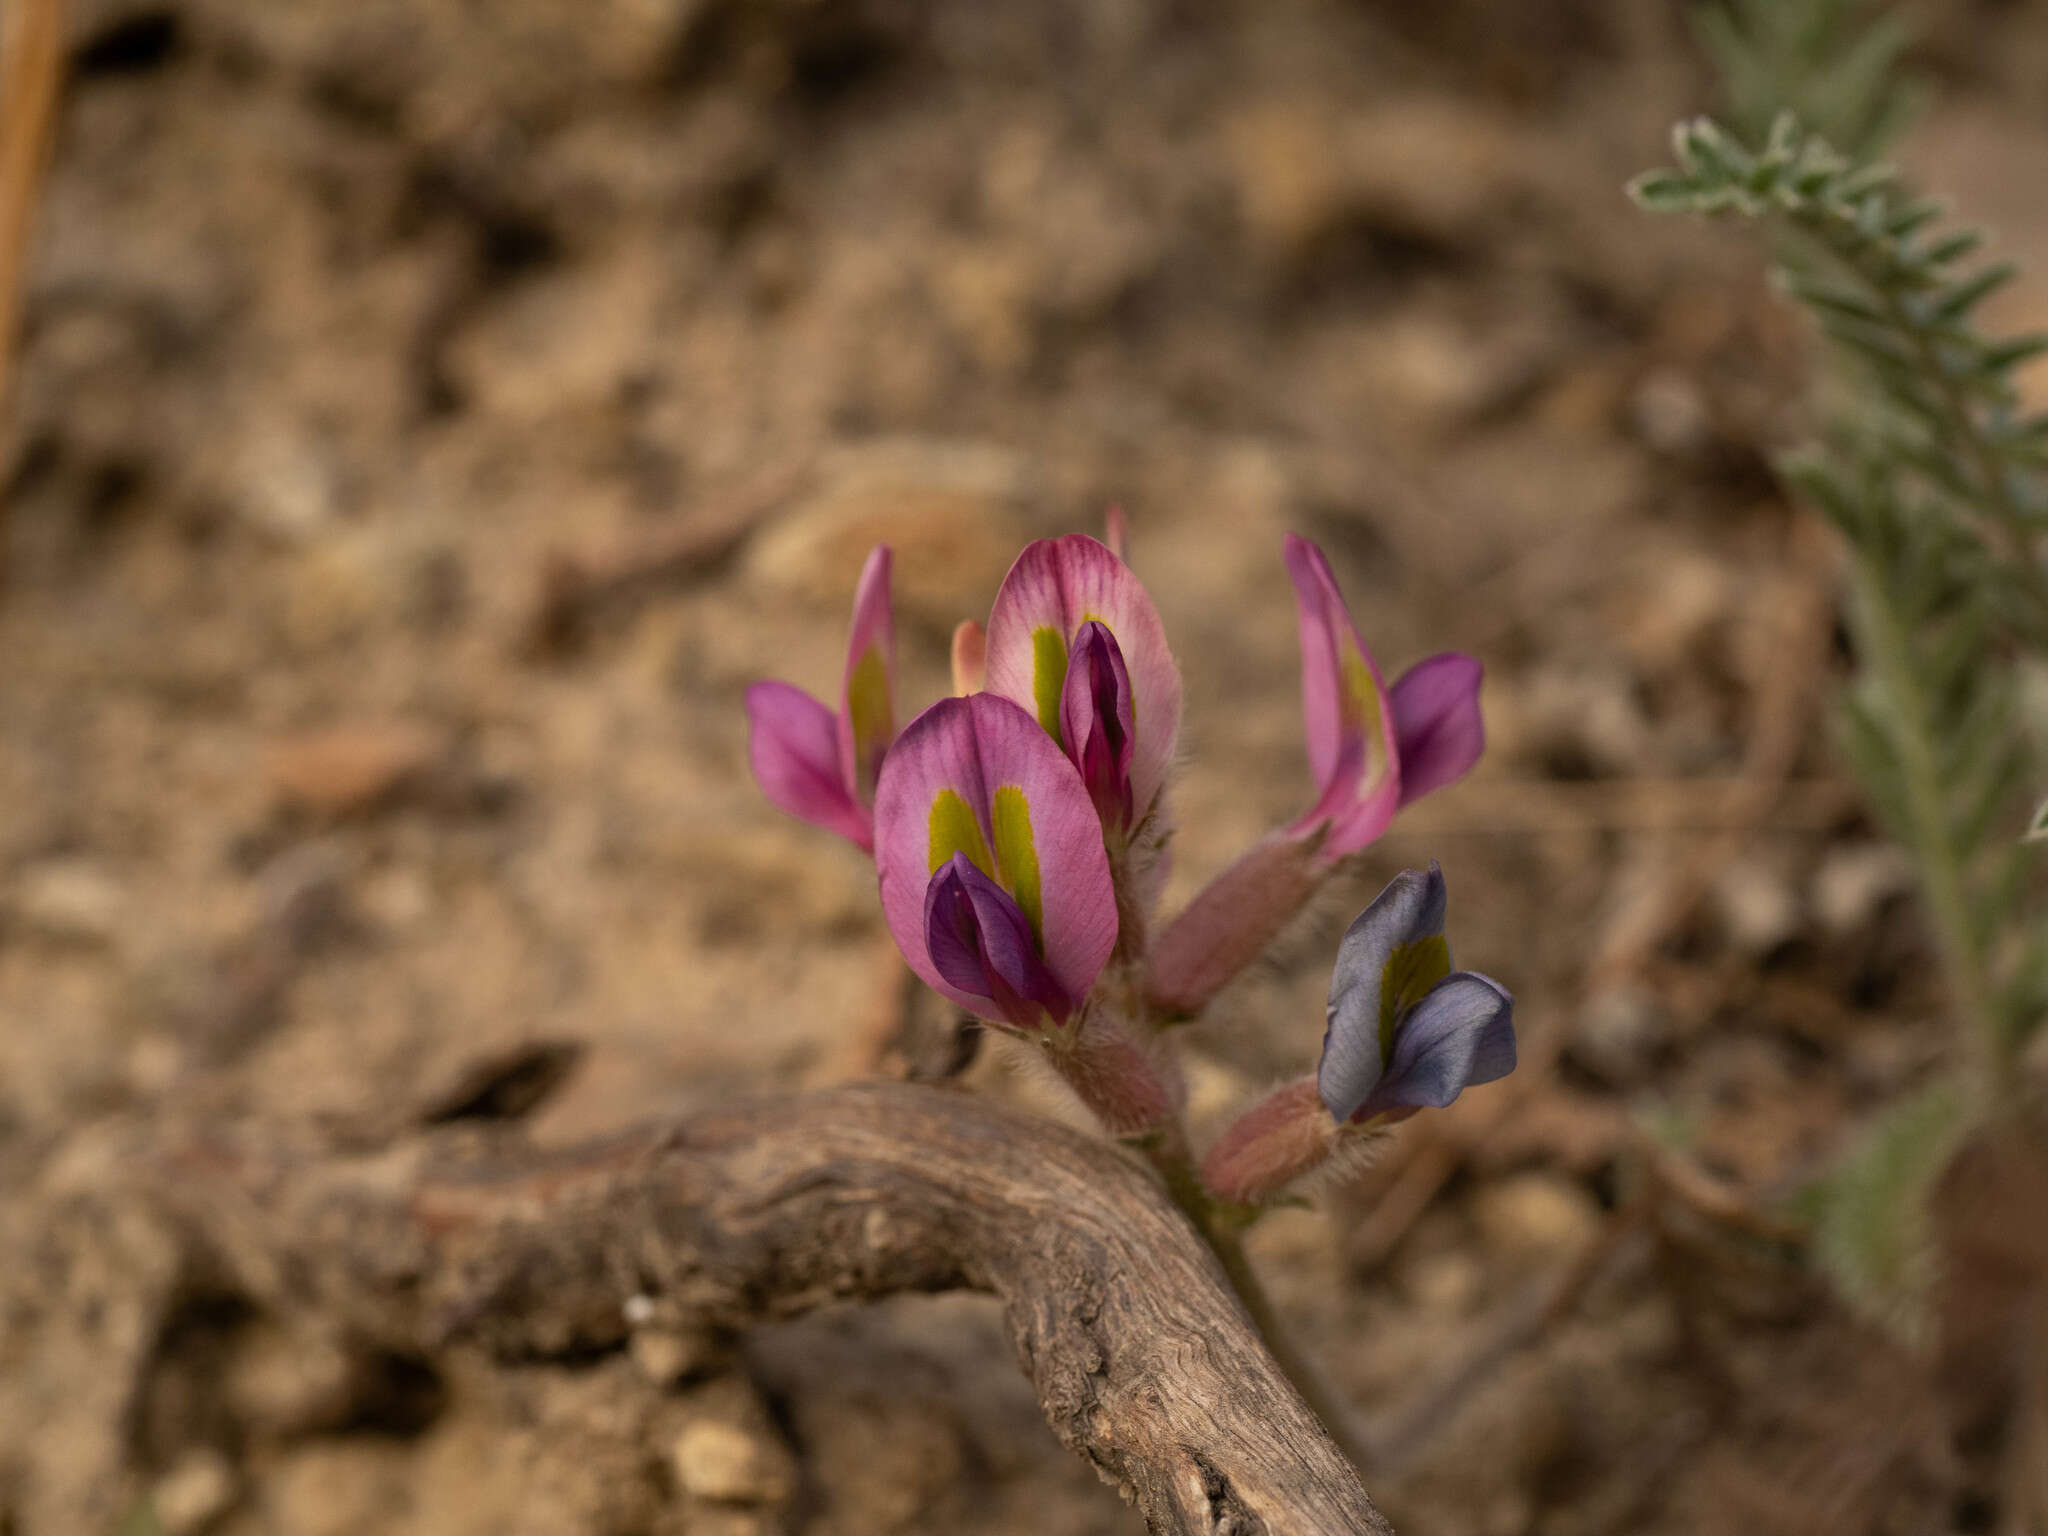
1709, 808
31, 66
1143, 1359
576, 588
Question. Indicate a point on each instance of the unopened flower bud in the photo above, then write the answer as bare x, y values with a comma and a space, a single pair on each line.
1279, 1139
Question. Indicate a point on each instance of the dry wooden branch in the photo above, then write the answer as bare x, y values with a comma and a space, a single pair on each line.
1142, 1358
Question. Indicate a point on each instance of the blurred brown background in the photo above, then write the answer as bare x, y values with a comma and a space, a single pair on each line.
429, 416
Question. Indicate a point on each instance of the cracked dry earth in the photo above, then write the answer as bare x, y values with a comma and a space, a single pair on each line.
432, 416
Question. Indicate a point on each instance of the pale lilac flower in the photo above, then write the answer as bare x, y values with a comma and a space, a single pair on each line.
1405, 1030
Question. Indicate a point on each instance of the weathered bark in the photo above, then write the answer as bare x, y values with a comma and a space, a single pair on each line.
1141, 1356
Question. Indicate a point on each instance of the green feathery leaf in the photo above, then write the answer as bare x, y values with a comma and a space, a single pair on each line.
1939, 484
1869, 1214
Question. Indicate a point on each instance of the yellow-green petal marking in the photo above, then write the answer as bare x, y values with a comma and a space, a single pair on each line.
1048, 676
871, 712
954, 830
1410, 972
1017, 855
1361, 700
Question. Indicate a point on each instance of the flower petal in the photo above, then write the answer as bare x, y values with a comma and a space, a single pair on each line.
1055, 587
867, 695
1436, 722
1346, 719
1095, 722
981, 943
970, 657
977, 776
792, 743
1391, 955
1460, 1034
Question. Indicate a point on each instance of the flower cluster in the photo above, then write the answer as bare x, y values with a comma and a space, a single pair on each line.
1019, 832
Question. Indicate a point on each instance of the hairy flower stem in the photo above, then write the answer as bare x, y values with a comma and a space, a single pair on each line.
1166, 1149
1131, 908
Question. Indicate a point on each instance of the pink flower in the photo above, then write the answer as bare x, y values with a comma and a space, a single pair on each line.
1074, 640
821, 766
994, 880
1371, 753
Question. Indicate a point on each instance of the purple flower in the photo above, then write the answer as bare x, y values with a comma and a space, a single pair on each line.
1405, 1030
1371, 753
821, 766
1074, 639
994, 879
1438, 733
1096, 721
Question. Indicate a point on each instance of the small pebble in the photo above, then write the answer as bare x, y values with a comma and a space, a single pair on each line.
1446, 1284
194, 1494
726, 1464
1667, 412
1536, 1215
1619, 1029
283, 1383
666, 1356
1757, 905
1855, 880
73, 900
